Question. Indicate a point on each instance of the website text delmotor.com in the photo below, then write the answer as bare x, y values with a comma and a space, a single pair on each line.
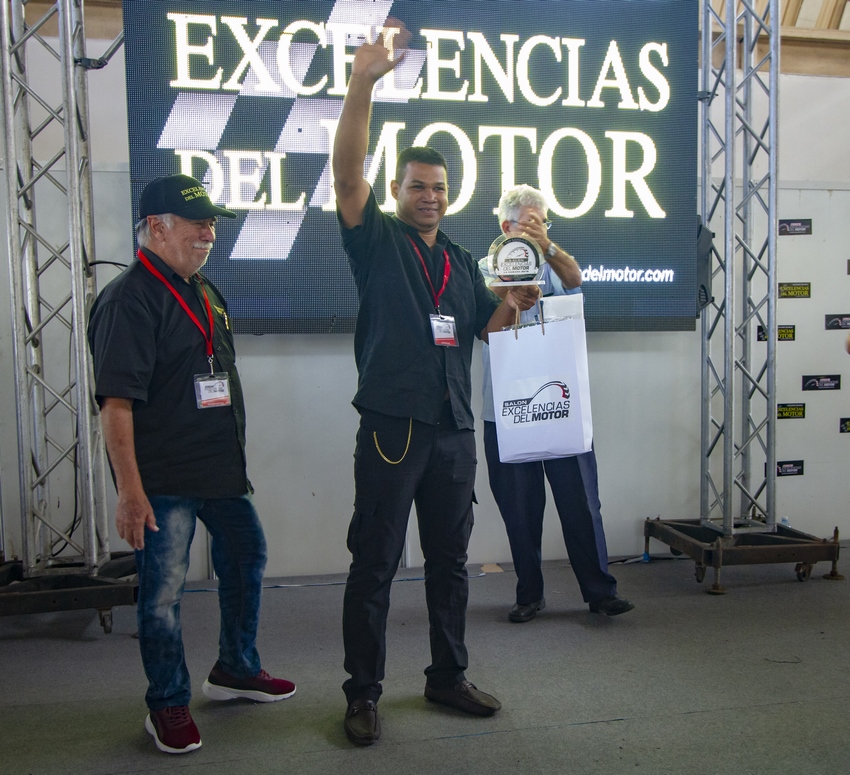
626, 275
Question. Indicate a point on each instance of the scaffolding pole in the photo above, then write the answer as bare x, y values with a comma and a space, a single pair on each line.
50, 250
738, 476
737, 519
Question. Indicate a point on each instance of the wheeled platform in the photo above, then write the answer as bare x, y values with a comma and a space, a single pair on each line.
69, 591
752, 545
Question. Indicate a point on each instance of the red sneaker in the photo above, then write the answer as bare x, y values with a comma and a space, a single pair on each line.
260, 688
173, 729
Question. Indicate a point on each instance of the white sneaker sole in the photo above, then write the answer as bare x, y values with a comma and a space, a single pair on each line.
216, 692
151, 729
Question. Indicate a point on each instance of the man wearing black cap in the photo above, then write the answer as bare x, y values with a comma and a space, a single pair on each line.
174, 425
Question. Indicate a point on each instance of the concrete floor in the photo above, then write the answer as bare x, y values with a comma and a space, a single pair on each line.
755, 681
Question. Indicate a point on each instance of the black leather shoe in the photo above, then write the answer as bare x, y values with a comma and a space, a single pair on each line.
362, 724
525, 613
613, 605
464, 696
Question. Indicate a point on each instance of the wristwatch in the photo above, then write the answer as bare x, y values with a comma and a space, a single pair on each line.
551, 250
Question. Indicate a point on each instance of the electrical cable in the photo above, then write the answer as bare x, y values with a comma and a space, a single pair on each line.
322, 584
111, 263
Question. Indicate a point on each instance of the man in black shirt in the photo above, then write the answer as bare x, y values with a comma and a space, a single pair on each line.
422, 301
174, 425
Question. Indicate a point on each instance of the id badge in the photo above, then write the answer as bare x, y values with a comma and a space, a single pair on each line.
443, 329
212, 390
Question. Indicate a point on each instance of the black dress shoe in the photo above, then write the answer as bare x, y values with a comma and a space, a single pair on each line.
613, 605
464, 696
362, 724
525, 613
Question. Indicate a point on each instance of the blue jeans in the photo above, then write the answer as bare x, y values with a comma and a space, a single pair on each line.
239, 558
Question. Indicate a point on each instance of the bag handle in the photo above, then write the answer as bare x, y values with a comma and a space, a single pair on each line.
539, 303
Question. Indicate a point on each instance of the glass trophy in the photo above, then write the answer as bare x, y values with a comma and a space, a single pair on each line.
515, 261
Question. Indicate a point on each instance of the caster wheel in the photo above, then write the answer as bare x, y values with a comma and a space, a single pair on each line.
106, 621
699, 573
803, 571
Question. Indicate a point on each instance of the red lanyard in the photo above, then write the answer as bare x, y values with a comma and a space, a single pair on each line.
447, 270
207, 338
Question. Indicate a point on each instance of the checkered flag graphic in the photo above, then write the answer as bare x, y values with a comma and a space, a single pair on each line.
304, 137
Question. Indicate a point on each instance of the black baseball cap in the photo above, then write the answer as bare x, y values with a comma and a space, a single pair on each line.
180, 195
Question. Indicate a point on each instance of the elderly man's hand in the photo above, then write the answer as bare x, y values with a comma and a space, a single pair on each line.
533, 226
523, 297
132, 515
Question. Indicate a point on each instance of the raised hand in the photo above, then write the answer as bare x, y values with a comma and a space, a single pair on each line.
533, 227
375, 60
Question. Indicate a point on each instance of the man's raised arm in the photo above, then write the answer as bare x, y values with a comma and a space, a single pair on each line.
371, 62
562, 263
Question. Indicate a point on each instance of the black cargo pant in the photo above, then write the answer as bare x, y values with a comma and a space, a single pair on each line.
398, 462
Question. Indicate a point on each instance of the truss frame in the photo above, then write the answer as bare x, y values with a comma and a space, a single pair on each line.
738, 424
61, 456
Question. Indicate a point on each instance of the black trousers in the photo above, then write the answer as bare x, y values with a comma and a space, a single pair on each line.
398, 462
520, 493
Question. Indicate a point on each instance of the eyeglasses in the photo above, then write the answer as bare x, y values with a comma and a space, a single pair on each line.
547, 224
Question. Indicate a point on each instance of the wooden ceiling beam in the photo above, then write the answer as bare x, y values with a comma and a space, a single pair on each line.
830, 14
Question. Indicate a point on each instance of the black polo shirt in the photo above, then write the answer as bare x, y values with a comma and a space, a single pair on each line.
402, 372
146, 348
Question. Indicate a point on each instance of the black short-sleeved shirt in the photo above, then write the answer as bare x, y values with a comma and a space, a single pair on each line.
402, 372
146, 348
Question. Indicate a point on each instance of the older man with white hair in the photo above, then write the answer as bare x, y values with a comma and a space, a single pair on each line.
174, 425
520, 488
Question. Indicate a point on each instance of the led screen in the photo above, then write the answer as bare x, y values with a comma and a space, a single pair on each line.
593, 101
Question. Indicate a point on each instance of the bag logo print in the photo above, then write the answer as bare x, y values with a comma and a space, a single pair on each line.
523, 410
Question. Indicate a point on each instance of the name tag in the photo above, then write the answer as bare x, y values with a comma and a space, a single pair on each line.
443, 329
212, 390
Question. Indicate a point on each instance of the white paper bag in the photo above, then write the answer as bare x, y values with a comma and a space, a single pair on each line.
541, 391
567, 306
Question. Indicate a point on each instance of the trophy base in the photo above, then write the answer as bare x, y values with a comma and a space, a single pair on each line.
516, 282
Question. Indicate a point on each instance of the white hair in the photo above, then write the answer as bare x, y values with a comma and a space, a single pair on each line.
143, 229
514, 199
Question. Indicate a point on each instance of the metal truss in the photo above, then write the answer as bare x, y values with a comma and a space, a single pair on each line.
740, 71
50, 240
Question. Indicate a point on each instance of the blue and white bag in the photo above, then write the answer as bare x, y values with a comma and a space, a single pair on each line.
541, 391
